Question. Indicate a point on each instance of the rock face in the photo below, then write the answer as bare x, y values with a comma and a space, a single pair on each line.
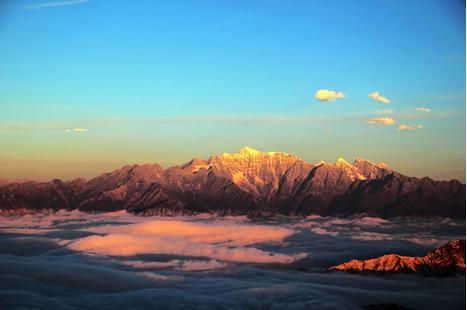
248, 182
445, 260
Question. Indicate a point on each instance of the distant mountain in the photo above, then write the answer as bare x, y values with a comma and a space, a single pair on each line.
248, 182
445, 260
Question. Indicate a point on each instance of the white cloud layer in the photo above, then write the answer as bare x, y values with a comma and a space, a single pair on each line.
378, 229
376, 96
38, 273
328, 95
423, 110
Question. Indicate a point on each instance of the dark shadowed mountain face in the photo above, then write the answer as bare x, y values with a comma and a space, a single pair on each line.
249, 182
442, 261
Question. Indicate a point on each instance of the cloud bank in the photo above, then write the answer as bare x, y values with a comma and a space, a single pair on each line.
37, 271
328, 95
219, 241
376, 96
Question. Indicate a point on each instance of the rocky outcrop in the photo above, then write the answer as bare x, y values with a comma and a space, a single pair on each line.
248, 182
445, 260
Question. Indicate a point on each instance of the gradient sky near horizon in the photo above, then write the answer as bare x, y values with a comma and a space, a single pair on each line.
87, 86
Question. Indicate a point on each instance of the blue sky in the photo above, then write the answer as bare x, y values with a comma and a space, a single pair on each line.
164, 81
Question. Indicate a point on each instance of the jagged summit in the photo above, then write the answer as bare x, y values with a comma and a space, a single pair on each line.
370, 169
360, 165
195, 164
259, 173
362, 161
248, 152
340, 162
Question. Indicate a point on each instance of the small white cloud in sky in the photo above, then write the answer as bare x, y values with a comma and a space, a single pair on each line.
376, 96
328, 95
77, 130
52, 4
410, 127
382, 121
423, 110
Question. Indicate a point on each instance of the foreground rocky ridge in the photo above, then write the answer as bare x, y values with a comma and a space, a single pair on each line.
445, 260
248, 182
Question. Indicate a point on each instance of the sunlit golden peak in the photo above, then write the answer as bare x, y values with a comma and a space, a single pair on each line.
340, 162
248, 151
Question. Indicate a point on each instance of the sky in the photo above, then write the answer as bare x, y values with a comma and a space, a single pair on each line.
87, 86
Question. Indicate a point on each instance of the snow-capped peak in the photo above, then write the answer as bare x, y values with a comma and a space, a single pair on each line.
248, 151
340, 162
359, 161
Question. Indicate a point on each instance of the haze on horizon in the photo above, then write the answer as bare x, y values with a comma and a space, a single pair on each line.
87, 86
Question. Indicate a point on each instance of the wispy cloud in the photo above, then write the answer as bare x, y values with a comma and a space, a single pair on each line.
410, 127
382, 121
378, 97
241, 119
423, 110
180, 119
77, 130
214, 119
53, 4
384, 112
445, 97
328, 95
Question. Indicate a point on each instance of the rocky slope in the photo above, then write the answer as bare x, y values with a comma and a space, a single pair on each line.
445, 260
248, 182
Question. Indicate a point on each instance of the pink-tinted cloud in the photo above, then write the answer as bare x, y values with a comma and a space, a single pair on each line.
219, 241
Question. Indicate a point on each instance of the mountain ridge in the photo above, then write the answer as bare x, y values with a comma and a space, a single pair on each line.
444, 260
248, 182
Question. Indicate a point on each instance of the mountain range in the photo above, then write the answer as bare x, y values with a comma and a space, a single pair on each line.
445, 260
249, 182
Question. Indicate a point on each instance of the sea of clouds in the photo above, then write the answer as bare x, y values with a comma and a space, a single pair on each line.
74, 260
